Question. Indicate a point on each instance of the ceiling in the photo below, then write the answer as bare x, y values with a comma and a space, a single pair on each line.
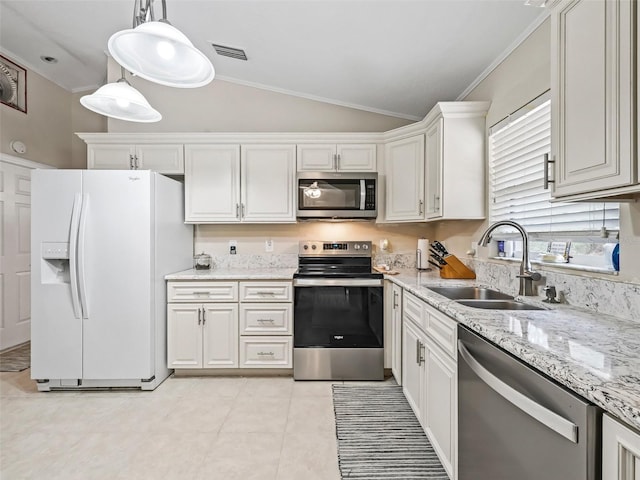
397, 57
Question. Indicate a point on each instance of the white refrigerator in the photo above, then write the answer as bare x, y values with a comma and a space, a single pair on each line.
101, 243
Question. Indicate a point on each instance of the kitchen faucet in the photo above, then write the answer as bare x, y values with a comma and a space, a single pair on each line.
526, 276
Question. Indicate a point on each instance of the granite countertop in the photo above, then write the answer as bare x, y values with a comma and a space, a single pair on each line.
234, 274
595, 355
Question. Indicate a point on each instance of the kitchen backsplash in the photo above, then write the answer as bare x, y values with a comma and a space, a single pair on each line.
608, 297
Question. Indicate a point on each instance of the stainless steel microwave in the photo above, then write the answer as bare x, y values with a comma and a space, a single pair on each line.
337, 195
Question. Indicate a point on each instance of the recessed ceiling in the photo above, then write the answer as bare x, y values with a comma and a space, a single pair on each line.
390, 56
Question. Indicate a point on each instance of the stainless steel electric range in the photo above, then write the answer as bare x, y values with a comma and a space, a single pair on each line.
338, 313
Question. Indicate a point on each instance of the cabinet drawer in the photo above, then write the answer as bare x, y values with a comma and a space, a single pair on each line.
266, 352
442, 330
265, 291
266, 318
413, 308
202, 292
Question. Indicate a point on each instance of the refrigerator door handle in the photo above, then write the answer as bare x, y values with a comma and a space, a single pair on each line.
548, 418
81, 261
73, 254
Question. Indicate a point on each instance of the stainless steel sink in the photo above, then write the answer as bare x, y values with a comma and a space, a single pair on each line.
498, 305
470, 293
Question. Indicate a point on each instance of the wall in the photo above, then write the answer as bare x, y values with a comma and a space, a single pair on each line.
83, 120
45, 128
228, 107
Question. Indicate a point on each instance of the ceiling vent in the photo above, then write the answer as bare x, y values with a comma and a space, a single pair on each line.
229, 52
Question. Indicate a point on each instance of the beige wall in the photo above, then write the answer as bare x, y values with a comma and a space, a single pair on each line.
53, 114
228, 107
46, 127
83, 120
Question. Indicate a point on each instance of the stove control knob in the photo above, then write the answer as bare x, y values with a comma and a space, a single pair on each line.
306, 247
365, 246
356, 246
313, 247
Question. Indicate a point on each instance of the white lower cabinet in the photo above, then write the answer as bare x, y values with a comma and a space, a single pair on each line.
620, 450
429, 375
219, 324
396, 333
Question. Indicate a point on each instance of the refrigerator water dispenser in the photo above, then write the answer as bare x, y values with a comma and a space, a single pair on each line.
55, 262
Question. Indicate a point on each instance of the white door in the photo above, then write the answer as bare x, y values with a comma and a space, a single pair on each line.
404, 166
15, 248
433, 169
316, 158
114, 272
111, 157
220, 335
268, 183
162, 158
184, 335
356, 157
212, 183
396, 333
412, 369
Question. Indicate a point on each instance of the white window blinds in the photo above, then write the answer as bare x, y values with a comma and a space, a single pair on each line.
516, 163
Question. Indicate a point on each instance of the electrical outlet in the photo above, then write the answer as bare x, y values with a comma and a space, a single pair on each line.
268, 245
233, 246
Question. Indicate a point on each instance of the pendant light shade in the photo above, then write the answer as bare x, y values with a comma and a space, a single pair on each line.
120, 100
160, 53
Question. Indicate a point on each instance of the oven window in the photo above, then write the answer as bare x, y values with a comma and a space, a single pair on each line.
338, 317
339, 194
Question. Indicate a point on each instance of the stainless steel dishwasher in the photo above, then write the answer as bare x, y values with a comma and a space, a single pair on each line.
514, 423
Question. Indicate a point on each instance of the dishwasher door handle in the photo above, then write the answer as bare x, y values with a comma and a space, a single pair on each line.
552, 420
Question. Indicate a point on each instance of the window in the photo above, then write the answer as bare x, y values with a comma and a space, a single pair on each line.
581, 233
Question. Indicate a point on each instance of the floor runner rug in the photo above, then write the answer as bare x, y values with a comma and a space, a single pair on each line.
16, 359
379, 437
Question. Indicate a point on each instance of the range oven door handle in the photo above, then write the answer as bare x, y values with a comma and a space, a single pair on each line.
337, 282
550, 419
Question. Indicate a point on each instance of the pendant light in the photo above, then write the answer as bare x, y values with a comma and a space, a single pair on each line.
159, 52
120, 100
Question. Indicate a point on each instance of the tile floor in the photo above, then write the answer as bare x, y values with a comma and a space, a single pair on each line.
188, 428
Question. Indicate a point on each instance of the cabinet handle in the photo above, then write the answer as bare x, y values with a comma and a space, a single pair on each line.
338, 162
204, 319
421, 354
335, 162
417, 351
199, 316
271, 294
265, 354
265, 320
135, 162
436, 202
546, 171
130, 162
237, 210
420, 207
242, 209
395, 297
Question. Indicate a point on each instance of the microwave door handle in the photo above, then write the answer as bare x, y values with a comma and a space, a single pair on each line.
363, 194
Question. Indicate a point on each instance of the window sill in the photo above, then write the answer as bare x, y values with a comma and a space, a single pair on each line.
563, 266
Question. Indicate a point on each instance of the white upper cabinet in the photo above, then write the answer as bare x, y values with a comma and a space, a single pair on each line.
268, 183
341, 157
212, 183
455, 160
593, 84
404, 170
162, 158
232, 184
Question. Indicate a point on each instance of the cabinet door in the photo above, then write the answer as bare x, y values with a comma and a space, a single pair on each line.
441, 405
212, 183
413, 367
404, 168
163, 158
433, 168
620, 451
316, 158
110, 157
266, 318
268, 183
184, 336
220, 335
356, 158
592, 92
266, 352
396, 333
